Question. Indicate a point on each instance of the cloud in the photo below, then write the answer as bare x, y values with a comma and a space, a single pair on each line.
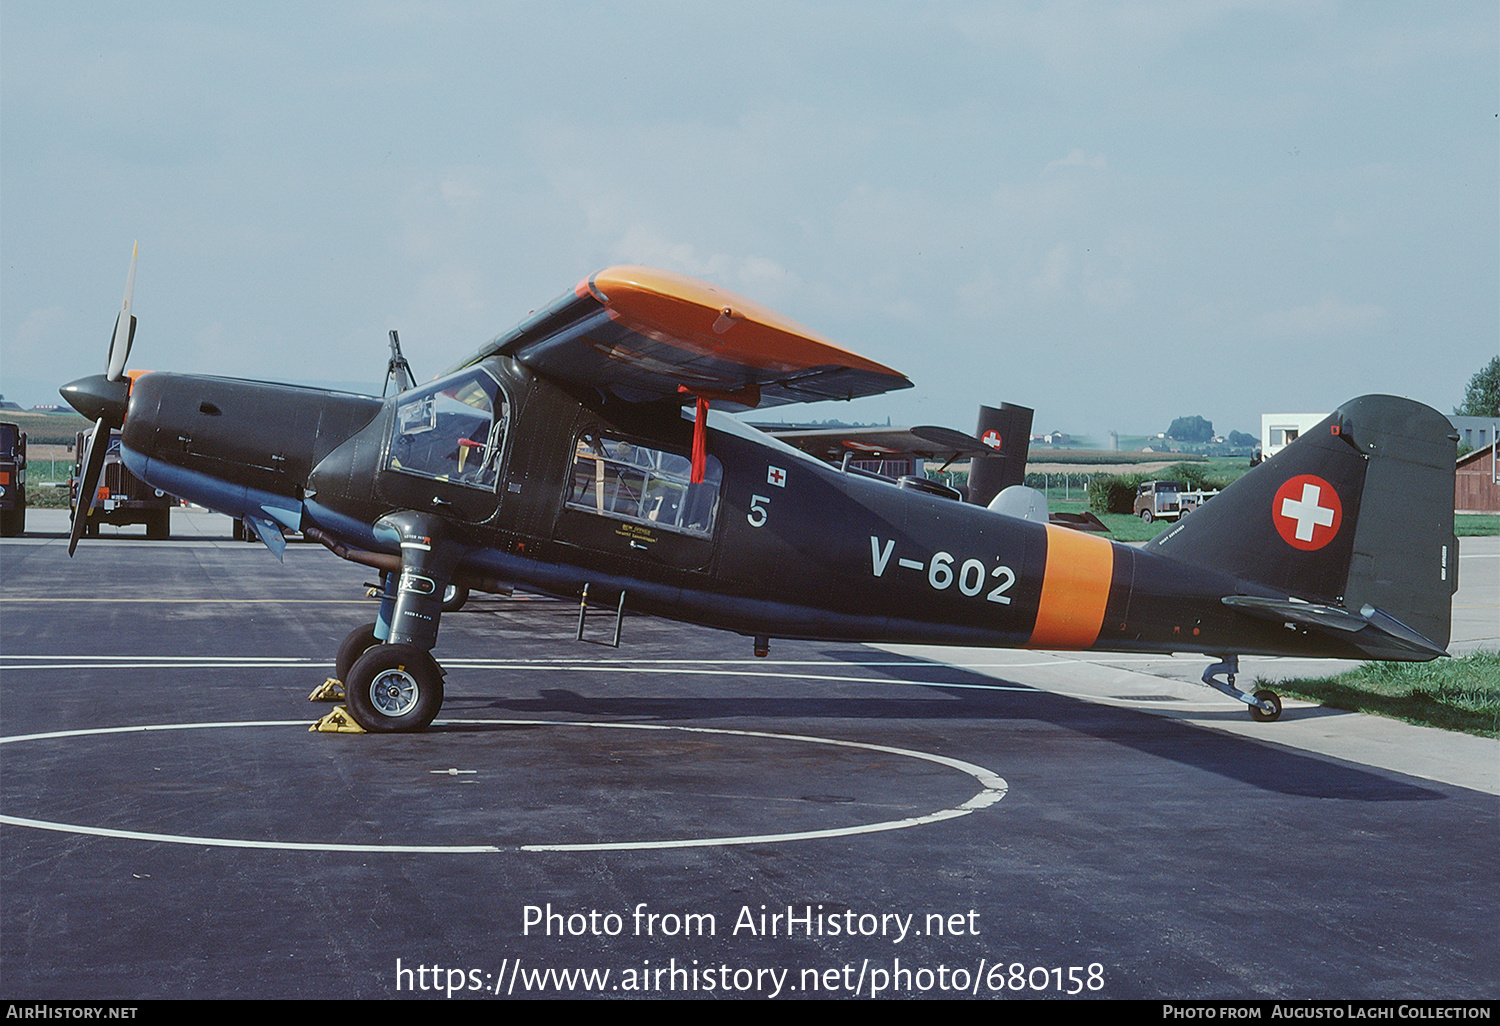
1052, 278
1324, 319
40, 331
1076, 158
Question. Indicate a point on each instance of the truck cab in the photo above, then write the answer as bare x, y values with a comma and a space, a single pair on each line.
12, 480
123, 498
1159, 500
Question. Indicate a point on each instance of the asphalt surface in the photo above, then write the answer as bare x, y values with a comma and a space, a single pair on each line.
935, 830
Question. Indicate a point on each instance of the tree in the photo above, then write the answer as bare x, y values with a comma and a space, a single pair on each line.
1191, 429
1242, 440
1482, 397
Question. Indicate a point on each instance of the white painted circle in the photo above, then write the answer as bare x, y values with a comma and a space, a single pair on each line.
992, 789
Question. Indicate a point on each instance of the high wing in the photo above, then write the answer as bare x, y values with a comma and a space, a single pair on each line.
642, 334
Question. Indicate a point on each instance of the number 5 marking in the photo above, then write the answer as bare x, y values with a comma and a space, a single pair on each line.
757, 514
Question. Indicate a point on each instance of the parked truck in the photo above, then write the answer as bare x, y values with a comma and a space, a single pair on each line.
123, 497
1167, 500
12, 480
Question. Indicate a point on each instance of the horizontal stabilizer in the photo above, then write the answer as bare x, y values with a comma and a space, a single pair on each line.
1377, 634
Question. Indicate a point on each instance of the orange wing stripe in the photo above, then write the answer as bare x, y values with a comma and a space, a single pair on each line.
706, 319
1075, 590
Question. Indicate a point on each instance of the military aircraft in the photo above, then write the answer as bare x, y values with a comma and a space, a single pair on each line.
577, 455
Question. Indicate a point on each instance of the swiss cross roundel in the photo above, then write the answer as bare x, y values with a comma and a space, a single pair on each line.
1307, 512
991, 438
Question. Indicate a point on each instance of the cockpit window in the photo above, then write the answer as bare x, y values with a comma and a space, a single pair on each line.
453, 430
620, 479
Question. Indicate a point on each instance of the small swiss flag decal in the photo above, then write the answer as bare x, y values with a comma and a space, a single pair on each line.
1307, 512
991, 438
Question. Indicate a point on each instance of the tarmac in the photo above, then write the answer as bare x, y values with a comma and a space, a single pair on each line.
676, 818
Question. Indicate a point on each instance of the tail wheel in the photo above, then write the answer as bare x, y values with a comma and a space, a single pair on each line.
1260, 715
394, 689
355, 644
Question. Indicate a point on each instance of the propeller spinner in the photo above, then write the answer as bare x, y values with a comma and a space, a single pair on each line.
103, 398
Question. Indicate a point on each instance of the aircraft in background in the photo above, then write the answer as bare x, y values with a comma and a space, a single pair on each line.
577, 455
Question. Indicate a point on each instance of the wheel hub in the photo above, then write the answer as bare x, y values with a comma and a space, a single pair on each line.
394, 693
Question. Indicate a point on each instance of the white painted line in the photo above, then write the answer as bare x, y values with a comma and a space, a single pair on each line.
992, 789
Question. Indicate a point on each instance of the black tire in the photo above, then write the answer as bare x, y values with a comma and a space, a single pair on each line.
159, 527
394, 689
454, 597
13, 522
355, 644
1147, 516
1260, 715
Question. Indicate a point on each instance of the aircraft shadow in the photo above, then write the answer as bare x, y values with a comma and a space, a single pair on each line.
970, 697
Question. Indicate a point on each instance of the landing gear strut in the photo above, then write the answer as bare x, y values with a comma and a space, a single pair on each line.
1265, 706
390, 680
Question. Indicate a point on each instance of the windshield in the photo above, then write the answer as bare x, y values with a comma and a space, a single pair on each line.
452, 430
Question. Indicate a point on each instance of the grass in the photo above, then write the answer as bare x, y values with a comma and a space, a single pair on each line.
1461, 694
1474, 525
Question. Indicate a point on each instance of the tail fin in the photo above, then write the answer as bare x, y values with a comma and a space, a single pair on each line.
1353, 522
1008, 430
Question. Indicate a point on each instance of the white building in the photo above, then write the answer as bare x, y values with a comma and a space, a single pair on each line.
1277, 430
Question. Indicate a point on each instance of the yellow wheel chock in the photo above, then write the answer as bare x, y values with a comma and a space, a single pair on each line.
337, 722
331, 690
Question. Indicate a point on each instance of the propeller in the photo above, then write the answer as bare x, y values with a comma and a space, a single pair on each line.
103, 398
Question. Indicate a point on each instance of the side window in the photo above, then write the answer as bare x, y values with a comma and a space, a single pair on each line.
626, 481
453, 430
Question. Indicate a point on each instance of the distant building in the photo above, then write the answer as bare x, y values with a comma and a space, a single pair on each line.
1278, 430
1475, 432
1476, 485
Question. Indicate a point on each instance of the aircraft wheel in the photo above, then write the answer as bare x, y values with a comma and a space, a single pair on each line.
454, 597
355, 644
1260, 715
394, 689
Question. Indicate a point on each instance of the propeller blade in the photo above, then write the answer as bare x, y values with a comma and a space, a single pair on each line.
88, 487
119, 346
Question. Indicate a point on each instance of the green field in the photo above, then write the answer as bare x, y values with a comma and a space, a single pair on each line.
1454, 694
47, 428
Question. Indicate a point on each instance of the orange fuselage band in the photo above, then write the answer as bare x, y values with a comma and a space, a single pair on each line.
1075, 590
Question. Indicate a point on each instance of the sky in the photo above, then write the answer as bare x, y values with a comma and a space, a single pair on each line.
1115, 213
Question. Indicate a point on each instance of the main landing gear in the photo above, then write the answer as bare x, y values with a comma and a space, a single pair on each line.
389, 678
1265, 706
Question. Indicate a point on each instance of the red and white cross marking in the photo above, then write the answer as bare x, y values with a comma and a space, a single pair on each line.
1307, 512
991, 438
776, 476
